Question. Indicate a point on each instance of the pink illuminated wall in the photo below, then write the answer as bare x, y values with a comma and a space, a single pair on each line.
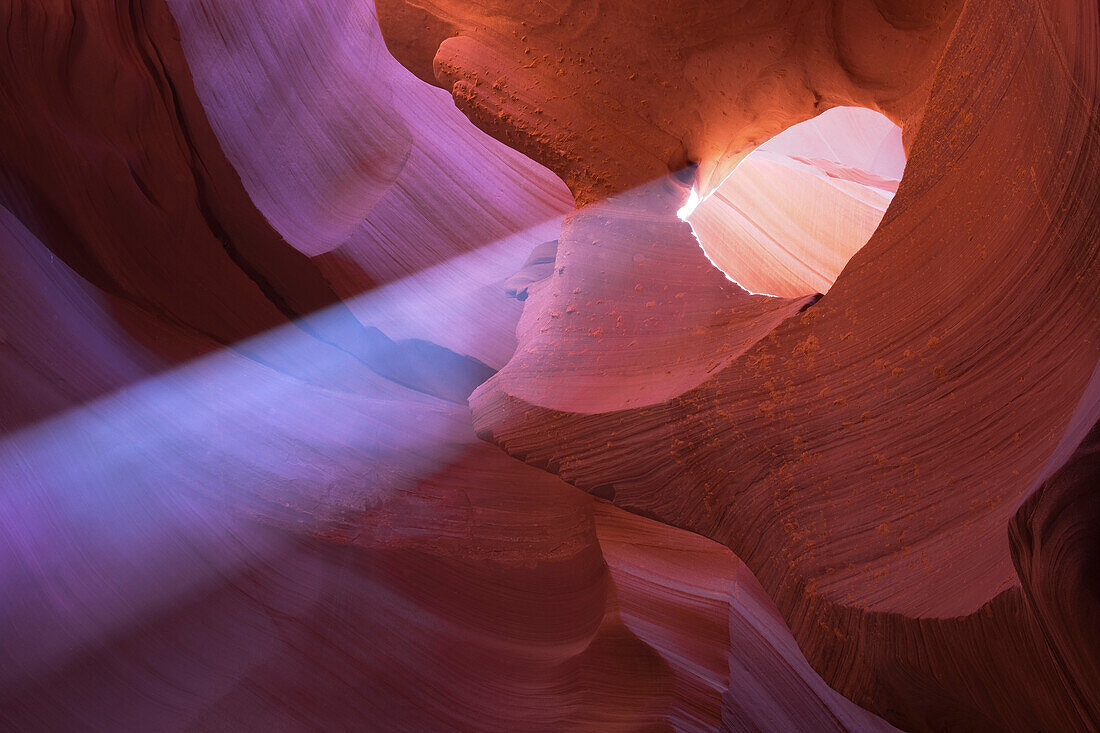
602, 366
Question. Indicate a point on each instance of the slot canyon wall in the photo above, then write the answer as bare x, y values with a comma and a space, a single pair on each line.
357, 371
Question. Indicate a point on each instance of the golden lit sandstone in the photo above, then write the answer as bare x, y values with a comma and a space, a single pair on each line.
866, 457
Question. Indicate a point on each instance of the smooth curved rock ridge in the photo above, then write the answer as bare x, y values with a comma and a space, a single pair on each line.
866, 458
142, 201
1054, 538
302, 107
317, 117
641, 317
725, 632
206, 528
226, 546
239, 486
613, 96
790, 216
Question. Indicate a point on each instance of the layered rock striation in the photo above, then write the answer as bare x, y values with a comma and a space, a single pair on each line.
867, 456
251, 269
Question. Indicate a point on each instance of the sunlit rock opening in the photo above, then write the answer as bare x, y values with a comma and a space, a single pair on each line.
259, 258
786, 221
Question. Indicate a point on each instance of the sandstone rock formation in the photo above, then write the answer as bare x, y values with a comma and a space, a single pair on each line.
251, 269
866, 457
793, 213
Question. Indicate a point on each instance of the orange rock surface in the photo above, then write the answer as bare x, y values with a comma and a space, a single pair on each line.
262, 289
866, 457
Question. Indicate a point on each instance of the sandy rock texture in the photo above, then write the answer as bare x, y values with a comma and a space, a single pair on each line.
866, 456
251, 270
331, 399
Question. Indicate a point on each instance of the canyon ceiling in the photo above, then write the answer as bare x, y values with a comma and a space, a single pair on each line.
524, 365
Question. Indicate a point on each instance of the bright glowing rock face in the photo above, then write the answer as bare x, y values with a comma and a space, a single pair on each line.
323, 407
791, 215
